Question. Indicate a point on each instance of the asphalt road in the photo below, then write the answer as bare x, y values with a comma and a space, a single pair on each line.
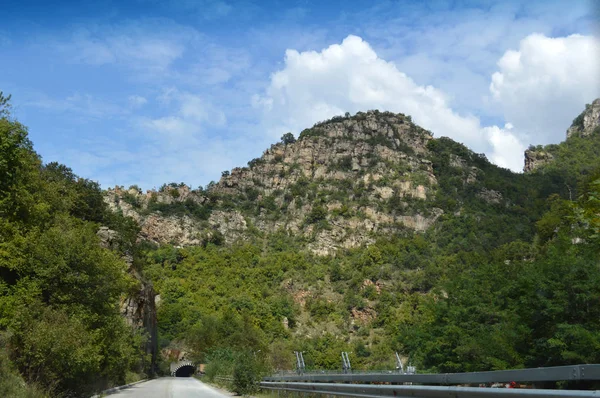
170, 387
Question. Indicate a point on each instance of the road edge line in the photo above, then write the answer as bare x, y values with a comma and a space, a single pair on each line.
116, 389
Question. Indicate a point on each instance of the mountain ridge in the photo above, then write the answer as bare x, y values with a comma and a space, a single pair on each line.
338, 186
376, 155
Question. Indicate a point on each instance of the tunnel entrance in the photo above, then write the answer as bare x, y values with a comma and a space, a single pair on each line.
185, 371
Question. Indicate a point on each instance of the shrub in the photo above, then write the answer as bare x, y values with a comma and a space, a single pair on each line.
345, 163
246, 374
130, 199
317, 214
300, 187
312, 132
320, 309
174, 193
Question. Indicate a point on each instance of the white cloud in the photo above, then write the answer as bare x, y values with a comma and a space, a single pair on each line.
457, 46
351, 77
149, 46
315, 86
540, 89
82, 105
137, 101
188, 114
195, 108
171, 125
544, 84
507, 149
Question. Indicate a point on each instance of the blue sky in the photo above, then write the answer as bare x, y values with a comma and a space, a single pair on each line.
147, 92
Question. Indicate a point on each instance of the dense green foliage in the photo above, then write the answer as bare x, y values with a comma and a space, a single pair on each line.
574, 159
59, 289
523, 304
496, 284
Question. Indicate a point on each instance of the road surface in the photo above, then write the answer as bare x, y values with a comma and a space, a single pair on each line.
170, 387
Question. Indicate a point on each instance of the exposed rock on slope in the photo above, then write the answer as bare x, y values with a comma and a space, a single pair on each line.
587, 121
341, 182
138, 309
535, 158
584, 126
163, 218
140, 312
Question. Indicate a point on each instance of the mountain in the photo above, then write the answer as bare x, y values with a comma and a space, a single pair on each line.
361, 235
342, 181
339, 186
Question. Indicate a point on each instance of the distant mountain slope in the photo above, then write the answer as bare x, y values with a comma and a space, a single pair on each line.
575, 157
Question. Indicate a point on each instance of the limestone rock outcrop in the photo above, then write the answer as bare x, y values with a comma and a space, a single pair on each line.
341, 182
587, 121
138, 309
536, 158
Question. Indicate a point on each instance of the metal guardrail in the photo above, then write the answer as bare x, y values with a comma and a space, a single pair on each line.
401, 391
556, 373
394, 384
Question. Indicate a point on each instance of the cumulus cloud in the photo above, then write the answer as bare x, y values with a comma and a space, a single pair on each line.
350, 77
544, 84
540, 89
458, 45
507, 148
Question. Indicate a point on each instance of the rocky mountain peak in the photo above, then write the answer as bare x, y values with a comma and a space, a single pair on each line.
587, 121
339, 183
334, 149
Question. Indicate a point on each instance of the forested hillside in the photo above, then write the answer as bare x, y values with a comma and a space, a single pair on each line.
365, 234
61, 330
505, 276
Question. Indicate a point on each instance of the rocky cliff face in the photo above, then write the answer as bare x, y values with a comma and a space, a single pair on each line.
535, 158
138, 309
587, 121
167, 217
343, 181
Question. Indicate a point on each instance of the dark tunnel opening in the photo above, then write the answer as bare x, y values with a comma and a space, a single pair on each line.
185, 371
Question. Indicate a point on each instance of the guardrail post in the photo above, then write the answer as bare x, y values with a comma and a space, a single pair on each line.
299, 362
346, 362
399, 365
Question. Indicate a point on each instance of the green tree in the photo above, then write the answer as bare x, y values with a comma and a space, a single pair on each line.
288, 138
